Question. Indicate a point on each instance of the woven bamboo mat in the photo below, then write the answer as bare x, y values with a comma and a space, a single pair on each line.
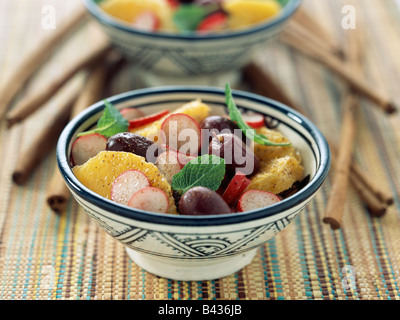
48, 256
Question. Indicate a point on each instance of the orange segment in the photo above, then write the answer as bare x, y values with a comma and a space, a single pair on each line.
277, 175
267, 153
99, 172
280, 167
127, 10
243, 13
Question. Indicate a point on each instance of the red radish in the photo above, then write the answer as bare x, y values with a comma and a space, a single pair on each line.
86, 147
126, 184
182, 133
134, 123
235, 188
131, 113
147, 21
168, 164
256, 199
254, 120
182, 157
150, 199
213, 22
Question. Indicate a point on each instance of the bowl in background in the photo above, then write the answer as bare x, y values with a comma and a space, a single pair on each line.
191, 59
197, 247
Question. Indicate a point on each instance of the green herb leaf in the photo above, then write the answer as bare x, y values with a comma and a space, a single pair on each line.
110, 123
187, 17
249, 132
205, 171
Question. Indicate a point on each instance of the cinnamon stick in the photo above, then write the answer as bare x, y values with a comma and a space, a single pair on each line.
58, 193
313, 39
336, 202
379, 193
262, 83
376, 200
338, 193
34, 59
376, 207
34, 101
304, 19
42, 142
291, 38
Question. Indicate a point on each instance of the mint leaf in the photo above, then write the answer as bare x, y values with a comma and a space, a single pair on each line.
249, 132
187, 17
205, 171
110, 123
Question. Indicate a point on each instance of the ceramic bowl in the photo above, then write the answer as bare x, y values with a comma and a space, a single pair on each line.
198, 247
199, 59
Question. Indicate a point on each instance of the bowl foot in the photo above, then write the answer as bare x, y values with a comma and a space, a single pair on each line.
218, 80
191, 270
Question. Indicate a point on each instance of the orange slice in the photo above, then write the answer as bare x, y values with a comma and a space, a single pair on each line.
277, 175
99, 172
243, 13
128, 10
267, 153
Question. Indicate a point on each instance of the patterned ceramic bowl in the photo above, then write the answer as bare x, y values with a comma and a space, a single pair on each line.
200, 59
198, 247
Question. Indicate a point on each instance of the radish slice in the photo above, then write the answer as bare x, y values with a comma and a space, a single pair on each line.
182, 133
86, 147
256, 199
254, 120
168, 164
126, 184
183, 158
150, 199
147, 21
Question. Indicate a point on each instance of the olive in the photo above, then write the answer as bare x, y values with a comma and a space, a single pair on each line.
237, 156
202, 201
177, 197
134, 143
217, 125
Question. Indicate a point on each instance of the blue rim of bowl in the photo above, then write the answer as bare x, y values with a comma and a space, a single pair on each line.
288, 10
212, 220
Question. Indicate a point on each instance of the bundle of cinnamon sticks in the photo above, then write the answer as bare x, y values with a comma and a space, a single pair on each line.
98, 64
305, 35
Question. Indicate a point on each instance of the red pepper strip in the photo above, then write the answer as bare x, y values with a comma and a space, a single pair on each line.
213, 22
138, 122
235, 188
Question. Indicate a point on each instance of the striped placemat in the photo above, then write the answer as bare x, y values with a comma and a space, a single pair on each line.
67, 256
